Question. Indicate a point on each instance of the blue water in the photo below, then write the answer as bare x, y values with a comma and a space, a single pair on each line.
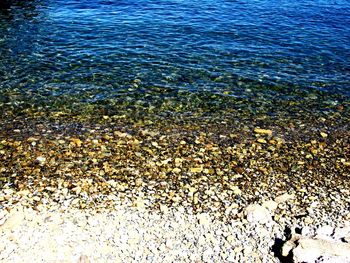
113, 49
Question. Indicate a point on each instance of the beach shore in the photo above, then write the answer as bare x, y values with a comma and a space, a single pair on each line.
170, 191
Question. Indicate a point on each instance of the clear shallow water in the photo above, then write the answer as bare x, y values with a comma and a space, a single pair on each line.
98, 50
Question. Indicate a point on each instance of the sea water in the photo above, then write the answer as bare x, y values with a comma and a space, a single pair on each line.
148, 52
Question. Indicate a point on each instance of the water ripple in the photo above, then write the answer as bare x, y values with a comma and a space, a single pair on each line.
195, 45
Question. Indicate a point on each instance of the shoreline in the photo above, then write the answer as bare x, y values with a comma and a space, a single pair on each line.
216, 167
198, 165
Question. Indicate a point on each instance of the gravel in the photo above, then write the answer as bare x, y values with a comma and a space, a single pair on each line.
134, 234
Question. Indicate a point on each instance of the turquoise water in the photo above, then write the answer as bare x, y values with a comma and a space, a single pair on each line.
132, 51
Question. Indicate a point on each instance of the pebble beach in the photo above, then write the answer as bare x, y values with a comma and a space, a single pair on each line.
174, 131
172, 192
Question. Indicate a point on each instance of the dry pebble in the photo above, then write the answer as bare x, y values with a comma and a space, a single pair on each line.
125, 235
130, 234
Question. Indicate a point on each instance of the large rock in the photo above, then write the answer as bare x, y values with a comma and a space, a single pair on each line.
307, 249
310, 250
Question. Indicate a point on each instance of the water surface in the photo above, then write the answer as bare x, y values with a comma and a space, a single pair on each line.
149, 52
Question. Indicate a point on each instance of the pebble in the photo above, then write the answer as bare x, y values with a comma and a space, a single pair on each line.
236, 190
257, 214
308, 220
263, 131
323, 134
261, 140
203, 219
230, 238
270, 205
40, 160
284, 198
